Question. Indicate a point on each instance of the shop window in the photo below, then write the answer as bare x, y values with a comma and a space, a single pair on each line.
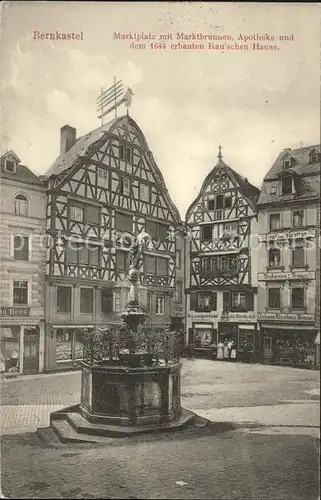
274, 298
298, 256
76, 213
203, 337
20, 293
21, 205
123, 222
297, 218
86, 300
274, 257
106, 301
275, 220
21, 248
64, 299
206, 233
160, 305
144, 192
287, 185
297, 298
64, 344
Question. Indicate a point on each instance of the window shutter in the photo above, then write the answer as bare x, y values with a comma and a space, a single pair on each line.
193, 301
250, 301
214, 301
226, 300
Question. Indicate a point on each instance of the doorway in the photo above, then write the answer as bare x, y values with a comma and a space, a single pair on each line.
31, 351
267, 347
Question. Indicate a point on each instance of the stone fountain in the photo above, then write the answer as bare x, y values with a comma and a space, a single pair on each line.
130, 380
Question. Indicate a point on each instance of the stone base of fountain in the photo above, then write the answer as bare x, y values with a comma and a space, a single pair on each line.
119, 401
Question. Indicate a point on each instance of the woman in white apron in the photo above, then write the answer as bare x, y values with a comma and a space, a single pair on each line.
233, 351
225, 352
220, 350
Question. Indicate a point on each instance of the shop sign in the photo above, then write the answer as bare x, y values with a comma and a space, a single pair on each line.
286, 316
14, 311
196, 315
288, 235
239, 316
296, 275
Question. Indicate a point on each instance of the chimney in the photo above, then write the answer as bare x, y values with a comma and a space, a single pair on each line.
67, 138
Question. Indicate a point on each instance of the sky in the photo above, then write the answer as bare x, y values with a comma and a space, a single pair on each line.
254, 103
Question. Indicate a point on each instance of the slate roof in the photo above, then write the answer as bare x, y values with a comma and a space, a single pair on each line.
306, 175
250, 191
22, 174
80, 148
301, 162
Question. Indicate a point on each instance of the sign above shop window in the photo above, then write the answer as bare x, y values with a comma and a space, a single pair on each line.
194, 315
239, 316
287, 235
14, 311
296, 275
286, 316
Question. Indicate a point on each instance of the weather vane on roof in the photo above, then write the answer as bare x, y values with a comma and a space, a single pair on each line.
219, 152
110, 99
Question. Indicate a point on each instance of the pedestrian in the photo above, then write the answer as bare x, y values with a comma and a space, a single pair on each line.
191, 351
14, 360
233, 351
229, 346
225, 352
220, 350
246, 353
213, 350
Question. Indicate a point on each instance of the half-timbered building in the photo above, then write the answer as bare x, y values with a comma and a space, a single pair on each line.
103, 189
221, 266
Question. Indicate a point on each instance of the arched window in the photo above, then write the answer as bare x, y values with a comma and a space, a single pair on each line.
21, 205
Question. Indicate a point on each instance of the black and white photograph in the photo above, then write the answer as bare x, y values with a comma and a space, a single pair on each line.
160, 250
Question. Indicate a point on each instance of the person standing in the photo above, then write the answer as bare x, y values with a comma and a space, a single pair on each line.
229, 346
14, 360
220, 350
225, 352
233, 351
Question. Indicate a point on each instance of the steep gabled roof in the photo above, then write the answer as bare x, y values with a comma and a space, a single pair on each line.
249, 191
85, 145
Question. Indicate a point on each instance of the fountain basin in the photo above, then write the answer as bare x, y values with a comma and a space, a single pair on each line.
129, 396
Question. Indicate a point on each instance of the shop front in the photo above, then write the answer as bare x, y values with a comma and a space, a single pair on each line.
288, 344
22, 341
239, 327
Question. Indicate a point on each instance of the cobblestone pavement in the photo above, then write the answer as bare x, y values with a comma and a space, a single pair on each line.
26, 402
272, 463
183, 466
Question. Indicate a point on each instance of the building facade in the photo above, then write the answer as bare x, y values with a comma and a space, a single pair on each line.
288, 281
103, 189
22, 265
221, 265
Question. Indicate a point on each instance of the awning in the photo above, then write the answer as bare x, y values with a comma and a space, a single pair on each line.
317, 339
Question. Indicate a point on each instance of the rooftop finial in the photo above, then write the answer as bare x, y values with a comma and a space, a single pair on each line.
219, 152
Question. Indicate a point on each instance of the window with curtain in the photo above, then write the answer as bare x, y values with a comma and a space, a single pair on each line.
21, 205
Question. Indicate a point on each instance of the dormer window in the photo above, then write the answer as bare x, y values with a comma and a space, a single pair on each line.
314, 156
287, 161
21, 205
287, 185
10, 166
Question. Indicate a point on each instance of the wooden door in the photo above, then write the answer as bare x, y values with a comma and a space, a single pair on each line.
267, 346
31, 351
